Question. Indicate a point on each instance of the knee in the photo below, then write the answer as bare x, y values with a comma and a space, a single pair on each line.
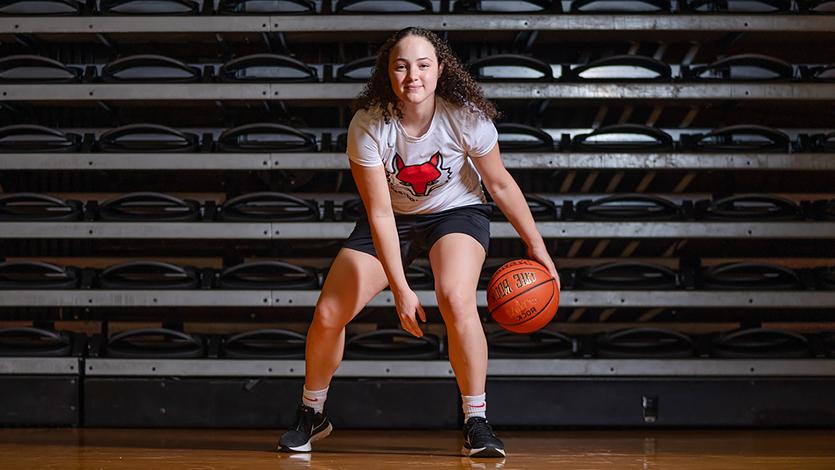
328, 315
457, 302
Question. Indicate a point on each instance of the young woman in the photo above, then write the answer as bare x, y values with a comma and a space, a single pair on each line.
420, 145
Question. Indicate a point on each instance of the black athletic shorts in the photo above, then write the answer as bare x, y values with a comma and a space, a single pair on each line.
419, 232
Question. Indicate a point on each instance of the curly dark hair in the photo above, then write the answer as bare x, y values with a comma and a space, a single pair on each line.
455, 84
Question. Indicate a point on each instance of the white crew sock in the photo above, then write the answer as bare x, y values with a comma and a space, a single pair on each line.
315, 398
474, 405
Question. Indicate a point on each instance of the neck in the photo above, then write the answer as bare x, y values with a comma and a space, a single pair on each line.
418, 115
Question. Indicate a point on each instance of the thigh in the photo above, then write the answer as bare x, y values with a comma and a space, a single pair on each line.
353, 280
456, 259
473, 221
361, 240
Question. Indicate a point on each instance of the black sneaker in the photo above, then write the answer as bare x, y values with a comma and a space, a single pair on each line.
479, 440
310, 426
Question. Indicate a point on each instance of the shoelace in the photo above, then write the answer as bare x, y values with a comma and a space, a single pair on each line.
481, 430
304, 420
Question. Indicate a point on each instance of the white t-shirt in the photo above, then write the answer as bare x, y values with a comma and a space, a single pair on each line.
430, 173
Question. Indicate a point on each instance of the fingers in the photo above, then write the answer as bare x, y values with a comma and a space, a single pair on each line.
407, 320
554, 273
549, 264
414, 329
406, 307
421, 313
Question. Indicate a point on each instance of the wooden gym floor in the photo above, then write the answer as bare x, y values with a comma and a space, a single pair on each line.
129, 449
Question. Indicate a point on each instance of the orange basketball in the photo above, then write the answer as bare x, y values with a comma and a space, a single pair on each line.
522, 296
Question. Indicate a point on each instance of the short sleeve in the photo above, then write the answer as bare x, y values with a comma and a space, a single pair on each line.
363, 147
480, 136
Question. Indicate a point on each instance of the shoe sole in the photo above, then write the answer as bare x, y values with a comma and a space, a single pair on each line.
307, 447
488, 452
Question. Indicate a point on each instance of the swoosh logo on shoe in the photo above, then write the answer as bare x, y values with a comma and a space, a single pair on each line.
311, 399
477, 406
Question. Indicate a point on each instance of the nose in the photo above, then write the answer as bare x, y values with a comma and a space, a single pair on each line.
413, 73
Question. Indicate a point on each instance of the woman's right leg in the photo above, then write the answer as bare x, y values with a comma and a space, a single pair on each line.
354, 279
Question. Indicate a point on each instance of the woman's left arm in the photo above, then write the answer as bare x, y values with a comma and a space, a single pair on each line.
507, 195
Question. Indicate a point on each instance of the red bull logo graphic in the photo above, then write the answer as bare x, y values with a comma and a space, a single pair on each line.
423, 177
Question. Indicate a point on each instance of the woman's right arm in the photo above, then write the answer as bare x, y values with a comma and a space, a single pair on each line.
373, 188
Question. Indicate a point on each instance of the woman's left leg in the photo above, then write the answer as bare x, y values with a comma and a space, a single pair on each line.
456, 263
456, 260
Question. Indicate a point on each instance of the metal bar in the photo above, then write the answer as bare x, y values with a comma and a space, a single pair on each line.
707, 230
650, 314
340, 230
655, 116
673, 248
606, 314
338, 161
589, 181
331, 91
685, 181
629, 249
145, 91
575, 247
678, 91
39, 366
142, 298
308, 298
627, 110
708, 299
600, 116
690, 116
133, 230
343, 91
565, 186
95, 367
340, 23
661, 367
691, 54
599, 248
613, 183
136, 161
576, 314
645, 182
310, 161
258, 368
313, 230
136, 24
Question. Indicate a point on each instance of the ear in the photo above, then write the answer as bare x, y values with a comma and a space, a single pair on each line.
398, 162
437, 158
440, 69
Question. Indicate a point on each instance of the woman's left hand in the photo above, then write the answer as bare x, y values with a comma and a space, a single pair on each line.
540, 254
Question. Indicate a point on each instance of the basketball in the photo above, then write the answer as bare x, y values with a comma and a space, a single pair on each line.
522, 296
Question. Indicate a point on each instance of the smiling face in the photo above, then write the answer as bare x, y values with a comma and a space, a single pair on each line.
414, 70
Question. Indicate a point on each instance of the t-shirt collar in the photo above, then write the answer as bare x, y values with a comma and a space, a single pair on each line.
438, 104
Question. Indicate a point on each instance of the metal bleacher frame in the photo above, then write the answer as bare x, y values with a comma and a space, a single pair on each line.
332, 24
337, 161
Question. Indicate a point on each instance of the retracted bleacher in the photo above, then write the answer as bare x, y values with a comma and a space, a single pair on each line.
174, 188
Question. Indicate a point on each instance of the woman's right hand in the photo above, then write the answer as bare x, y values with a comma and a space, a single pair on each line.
407, 304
